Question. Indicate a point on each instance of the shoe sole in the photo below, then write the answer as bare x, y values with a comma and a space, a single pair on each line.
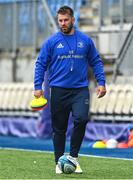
78, 172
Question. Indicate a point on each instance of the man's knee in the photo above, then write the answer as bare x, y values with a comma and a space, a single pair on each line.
81, 121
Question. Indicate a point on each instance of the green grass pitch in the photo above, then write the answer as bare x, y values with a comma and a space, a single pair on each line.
16, 164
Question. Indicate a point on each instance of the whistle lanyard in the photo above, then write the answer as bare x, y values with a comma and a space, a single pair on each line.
71, 50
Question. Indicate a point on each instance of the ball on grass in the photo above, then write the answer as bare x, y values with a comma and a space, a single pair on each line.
65, 165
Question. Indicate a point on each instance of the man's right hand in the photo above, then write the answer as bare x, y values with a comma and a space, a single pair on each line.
38, 93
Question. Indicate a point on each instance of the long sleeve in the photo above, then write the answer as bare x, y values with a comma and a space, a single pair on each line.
41, 65
96, 64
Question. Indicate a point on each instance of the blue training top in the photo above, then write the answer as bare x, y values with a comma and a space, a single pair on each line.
68, 57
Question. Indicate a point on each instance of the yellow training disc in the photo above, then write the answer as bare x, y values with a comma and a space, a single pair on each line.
99, 144
38, 102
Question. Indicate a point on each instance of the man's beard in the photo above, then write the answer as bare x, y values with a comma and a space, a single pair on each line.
67, 30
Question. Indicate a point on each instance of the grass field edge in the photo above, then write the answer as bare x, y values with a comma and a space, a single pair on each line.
83, 155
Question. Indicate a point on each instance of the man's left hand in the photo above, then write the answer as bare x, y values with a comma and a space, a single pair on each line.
101, 91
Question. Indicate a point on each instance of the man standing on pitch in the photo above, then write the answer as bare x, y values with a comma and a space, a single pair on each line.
67, 55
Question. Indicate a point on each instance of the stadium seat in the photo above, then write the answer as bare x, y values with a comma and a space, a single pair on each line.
12, 96
112, 100
117, 104
103, 102
127, 106
131, 106
6, 96
26, 97
15, 99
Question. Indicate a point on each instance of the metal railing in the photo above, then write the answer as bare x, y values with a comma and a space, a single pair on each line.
122, 53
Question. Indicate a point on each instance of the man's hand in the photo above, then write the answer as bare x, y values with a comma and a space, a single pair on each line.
38, 93
101, 91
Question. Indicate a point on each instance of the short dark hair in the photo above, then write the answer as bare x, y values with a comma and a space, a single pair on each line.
66, 10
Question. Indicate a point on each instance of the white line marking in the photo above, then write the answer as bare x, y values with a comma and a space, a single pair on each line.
106, 157
84, 155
